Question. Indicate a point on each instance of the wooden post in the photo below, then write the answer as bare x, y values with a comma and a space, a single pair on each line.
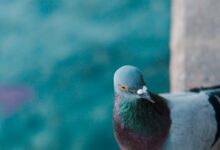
195, 44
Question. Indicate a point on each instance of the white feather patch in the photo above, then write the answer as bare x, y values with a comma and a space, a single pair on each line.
142, 91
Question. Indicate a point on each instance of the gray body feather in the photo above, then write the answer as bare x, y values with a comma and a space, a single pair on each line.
194, 125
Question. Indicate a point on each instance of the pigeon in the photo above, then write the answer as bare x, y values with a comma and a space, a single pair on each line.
143, 120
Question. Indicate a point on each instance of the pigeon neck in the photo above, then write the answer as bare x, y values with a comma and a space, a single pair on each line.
144, 117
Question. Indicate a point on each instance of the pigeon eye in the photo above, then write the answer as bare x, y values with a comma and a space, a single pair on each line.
123, 87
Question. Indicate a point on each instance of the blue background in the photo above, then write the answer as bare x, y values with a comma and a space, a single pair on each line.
57, 60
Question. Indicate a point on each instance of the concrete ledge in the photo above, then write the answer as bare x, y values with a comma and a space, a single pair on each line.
195, 44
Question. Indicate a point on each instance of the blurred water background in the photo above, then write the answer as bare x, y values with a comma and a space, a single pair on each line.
57, 60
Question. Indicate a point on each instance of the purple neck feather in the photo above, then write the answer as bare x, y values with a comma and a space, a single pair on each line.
142, 125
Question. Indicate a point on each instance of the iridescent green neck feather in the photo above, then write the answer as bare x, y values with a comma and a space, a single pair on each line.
143, 117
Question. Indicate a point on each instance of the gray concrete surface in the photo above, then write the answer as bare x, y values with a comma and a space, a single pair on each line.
195, 45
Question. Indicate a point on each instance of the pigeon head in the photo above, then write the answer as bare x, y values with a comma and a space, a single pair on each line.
129, 84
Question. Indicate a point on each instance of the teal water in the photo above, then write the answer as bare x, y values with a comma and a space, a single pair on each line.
66, 53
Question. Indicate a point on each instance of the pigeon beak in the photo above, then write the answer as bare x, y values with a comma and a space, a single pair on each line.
147, 97
143, 93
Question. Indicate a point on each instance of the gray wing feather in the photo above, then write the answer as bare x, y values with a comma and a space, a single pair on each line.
193, 122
